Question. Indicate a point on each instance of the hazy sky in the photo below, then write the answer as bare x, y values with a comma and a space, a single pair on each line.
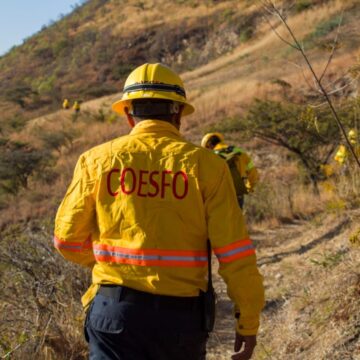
21, 18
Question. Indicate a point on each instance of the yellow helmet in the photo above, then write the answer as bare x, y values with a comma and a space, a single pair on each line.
205, 140
155, 81
352, 134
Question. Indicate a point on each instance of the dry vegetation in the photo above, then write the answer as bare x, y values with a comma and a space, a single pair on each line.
308, 245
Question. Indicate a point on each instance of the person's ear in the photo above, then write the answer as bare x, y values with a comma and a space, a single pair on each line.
130, 119
177, 116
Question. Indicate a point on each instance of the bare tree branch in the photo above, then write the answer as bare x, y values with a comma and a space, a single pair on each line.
278, 35
333, 47
271, 8
304, 75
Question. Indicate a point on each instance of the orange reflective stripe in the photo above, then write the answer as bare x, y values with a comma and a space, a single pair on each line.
72, 246
150, 257
234, 251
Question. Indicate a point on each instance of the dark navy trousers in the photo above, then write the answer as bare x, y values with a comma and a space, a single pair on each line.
117, 329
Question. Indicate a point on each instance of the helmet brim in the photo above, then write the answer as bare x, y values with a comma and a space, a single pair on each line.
120, 105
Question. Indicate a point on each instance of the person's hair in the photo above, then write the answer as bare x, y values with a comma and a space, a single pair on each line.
157, 109
214, 140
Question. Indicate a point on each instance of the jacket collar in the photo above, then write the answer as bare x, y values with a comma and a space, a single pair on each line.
154, 126
220, 146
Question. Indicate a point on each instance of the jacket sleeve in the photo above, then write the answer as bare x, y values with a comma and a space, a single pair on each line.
235, 252
75, 222
247, 169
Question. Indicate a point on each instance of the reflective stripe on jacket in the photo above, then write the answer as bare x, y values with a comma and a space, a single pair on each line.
140, 209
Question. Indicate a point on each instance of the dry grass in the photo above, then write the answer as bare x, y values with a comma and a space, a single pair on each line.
303, 240
304, 317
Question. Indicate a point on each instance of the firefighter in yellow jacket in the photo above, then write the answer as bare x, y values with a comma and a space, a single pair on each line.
138, 212
342, 154
76, 107
244, 174
66, 104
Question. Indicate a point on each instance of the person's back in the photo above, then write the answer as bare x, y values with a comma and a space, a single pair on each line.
66, 104
151, 183
243, 171
343, 156
76, 106
139, 212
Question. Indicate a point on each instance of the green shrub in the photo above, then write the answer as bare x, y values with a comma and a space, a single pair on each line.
103, 115
47, 85
18, 161
120, 71
246, 34
261, 205
44, 53
328, 259
311, 136
56, 140
227, 14
322, 29
326, 27
17, 122
61, 46
302, 5
19, 94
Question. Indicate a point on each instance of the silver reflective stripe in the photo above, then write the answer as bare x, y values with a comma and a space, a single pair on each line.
149, 257
236, 251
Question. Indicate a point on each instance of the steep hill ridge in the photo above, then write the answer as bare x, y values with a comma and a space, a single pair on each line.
310, 268
89, 53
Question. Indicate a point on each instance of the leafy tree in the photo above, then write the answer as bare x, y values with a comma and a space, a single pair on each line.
18, 161
18, 94
309, 134
56, 140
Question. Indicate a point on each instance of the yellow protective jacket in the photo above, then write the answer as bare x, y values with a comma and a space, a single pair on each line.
139, 211
244, 164
341, 154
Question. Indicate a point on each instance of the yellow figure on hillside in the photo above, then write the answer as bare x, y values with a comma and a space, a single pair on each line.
66, 104
243, 171
342, 153
76, 106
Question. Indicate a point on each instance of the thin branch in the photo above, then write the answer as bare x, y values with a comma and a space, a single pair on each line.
318, 105
339, 89
43, 337
270, 7
304, 76
333, 48
278, 35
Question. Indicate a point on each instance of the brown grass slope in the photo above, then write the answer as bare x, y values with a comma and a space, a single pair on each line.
87, 53
310, 268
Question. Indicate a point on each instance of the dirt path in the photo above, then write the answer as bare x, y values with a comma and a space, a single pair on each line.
312, 282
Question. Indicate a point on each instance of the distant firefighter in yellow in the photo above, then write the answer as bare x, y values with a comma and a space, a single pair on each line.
342, 153
243, 171
66, 104
76, 107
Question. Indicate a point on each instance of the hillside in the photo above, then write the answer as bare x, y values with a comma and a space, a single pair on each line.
88, 53
307, 242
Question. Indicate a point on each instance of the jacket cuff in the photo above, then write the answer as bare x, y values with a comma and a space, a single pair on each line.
247, 326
